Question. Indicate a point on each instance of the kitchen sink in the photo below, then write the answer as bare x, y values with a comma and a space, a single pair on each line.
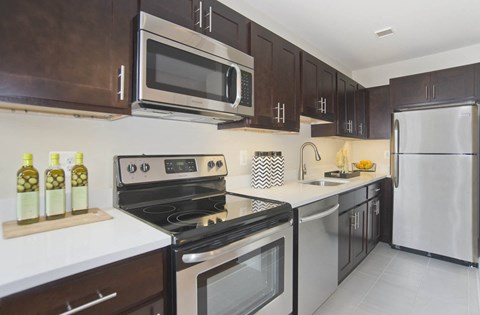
323, 182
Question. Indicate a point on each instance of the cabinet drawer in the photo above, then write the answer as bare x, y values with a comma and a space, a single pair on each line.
374, 190
350, 199
134, 281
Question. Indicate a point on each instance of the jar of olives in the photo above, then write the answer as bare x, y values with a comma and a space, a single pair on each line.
79, 182
28, 197
54, 189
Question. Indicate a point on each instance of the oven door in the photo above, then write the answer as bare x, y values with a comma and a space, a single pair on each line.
250, 276
170, 72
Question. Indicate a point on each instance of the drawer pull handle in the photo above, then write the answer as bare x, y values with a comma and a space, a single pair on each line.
100, 299
378, 189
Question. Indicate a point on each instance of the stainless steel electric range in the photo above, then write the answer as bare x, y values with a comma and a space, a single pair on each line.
230, 254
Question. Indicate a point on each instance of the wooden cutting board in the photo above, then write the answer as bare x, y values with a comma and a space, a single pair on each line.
11, 229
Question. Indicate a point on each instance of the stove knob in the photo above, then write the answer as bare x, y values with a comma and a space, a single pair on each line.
211, 164
219, 163
145, 167
131, 168
210, 222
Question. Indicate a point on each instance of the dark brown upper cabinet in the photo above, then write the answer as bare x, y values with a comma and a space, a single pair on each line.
67, 54
276, 83
346, 89
433, 87
379, 112
318, 89
361, 125
209, 17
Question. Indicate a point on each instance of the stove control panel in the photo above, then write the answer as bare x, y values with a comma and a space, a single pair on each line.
154, 168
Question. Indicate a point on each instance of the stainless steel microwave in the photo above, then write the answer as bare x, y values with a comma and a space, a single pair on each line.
185, 75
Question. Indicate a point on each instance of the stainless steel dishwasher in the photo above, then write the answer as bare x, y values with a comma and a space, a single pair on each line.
316, 246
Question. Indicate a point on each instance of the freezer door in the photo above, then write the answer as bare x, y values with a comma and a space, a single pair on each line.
439, 130
436, 206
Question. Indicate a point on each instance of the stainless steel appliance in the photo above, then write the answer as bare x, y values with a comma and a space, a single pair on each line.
231, 254
435, 175
185, 75
317, 253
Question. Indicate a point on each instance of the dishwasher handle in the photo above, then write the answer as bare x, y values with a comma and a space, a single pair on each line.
320, 215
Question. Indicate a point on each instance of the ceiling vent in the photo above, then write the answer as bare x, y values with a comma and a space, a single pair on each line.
384, 33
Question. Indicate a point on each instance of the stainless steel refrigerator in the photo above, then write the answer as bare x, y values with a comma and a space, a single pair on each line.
435, 175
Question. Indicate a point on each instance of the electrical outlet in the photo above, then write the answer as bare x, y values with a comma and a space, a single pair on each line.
243, 157
66, 160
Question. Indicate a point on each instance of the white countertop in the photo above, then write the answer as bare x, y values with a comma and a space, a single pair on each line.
298, 194
36, 259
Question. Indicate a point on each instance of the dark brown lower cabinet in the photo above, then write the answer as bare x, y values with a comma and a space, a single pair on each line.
359, 226
352, 231
373, 225
386, 215
132, 286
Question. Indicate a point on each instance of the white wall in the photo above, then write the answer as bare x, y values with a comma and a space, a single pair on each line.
101, 140
381, 75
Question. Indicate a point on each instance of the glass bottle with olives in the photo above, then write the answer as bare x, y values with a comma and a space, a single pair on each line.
28, 198
79, 182
54, 189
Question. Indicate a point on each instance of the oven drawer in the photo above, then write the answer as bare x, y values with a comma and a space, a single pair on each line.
123, 285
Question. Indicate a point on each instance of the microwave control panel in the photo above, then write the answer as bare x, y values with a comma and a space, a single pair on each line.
247, 83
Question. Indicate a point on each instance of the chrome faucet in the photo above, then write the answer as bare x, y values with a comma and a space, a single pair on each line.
303, 167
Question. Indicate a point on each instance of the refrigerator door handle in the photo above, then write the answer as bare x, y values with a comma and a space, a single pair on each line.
396, 149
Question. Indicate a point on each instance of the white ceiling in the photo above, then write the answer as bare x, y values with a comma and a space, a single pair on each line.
344, 30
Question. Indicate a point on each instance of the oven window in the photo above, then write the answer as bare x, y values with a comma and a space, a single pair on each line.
179, 71
243, 285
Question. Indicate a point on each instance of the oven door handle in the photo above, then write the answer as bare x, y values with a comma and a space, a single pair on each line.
204, 256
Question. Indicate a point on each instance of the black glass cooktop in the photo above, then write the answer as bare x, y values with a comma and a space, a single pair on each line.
193, 218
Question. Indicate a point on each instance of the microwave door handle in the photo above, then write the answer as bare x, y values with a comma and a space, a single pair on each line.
239, 85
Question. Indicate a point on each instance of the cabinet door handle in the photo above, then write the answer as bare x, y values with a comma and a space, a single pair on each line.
209, 14
325, 105
199, 10
360, 127
358, 220
82, 307
433, 91
278, 112
426, 92
353, 221
283, 113
121, 79
378, 189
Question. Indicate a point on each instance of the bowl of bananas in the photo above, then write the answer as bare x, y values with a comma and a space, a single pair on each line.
364, 166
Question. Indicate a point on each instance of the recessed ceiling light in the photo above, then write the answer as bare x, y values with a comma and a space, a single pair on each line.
384, 32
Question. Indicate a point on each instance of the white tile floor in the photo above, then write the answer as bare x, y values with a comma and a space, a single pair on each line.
390, 281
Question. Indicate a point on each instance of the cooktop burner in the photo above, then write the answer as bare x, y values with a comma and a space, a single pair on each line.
188, 215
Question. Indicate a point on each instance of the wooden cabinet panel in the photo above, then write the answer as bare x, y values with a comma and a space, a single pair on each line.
359, 234
224, 24
373, 223
181, 12
434, 87
345, 258
287, 80
386, 215
411, 89
135, 281
318, 89
453, 83
227, 26
277, 83
68, 53
379, 112
361, 129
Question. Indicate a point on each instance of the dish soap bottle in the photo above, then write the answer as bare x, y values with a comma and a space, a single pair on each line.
28, 204
79, 186
54, 189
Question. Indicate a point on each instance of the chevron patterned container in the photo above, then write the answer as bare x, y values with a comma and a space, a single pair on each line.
261, 170
278, 169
